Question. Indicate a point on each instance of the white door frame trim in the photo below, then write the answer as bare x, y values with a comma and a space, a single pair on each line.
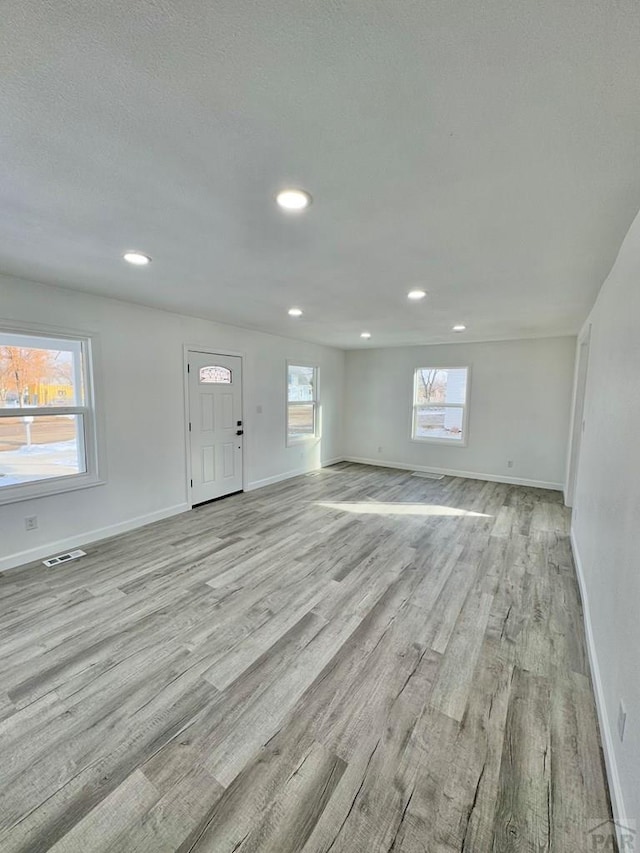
186, 349
580, 380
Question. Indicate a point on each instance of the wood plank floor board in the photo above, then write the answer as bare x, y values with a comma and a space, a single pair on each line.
373, 795
70, 658
354, 660
75, 729
7, 709
450, 602
237, 659
574, 759
168, 821
79, 624
455, 679
70, 727
100, 829
523, 815
467, 803
81, 788
290, 818
376, 682
30, 634
263, 718
208, 728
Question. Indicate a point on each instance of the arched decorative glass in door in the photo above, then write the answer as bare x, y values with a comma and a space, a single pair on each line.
215, 375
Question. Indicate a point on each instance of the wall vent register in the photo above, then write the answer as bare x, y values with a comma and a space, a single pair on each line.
64, 558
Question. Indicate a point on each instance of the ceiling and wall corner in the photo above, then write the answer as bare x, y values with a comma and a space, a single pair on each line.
487, 153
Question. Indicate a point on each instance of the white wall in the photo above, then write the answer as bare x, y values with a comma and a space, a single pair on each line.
141, 376
519, 408
606, 516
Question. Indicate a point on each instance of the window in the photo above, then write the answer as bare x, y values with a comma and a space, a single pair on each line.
47, 423
302, 403
440, 397
215, 375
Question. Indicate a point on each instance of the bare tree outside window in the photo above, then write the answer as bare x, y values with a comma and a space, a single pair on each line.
440, 404
25, 371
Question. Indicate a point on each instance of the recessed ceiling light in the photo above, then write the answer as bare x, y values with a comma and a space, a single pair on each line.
293, 199
138, 259
459, 327
295, 312
416, 294
365, 335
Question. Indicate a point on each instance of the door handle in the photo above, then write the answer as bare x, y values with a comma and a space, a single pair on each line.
240, 432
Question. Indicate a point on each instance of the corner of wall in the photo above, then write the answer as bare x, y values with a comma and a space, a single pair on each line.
288, 475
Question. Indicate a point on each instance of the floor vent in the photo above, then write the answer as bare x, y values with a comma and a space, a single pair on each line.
427, 475
64, 558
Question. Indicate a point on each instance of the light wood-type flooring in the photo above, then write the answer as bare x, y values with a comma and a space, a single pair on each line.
353, 661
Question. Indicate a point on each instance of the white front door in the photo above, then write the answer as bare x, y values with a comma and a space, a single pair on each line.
215, 425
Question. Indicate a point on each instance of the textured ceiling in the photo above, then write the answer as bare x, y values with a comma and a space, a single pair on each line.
487, 151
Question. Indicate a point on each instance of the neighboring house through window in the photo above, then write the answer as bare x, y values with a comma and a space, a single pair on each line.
440, 404
302, 402
48, 440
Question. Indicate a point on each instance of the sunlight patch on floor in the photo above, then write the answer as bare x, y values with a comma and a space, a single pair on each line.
372, 508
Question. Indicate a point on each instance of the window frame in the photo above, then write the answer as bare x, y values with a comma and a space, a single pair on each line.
292, 441
448, 442
91, 438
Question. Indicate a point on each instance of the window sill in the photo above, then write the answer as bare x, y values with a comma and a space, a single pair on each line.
304, 439
448, 442
47, 488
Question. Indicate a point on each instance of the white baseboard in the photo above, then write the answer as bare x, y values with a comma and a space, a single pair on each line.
19, 560
23, 558
615, 788
328, 462
277, 478
287, 475
469, 475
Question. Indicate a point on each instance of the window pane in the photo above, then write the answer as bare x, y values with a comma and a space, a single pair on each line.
301, 420
301, 382
215, 375
38, 371
436, 422
436, 385
37, 448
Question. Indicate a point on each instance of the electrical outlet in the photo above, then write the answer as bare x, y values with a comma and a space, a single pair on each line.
31, 522
509, 463
622, 720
